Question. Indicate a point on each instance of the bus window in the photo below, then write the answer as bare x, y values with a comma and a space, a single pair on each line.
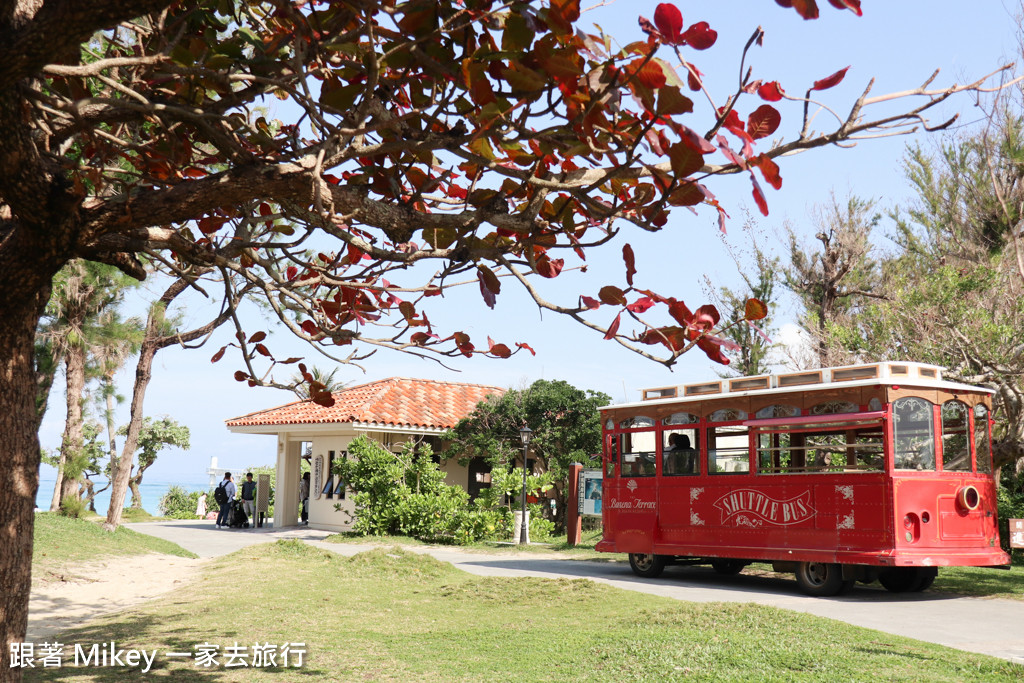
773, 452
981, 439
728, 449
841, 448
914, 434
681, 452
956, 449
638, 456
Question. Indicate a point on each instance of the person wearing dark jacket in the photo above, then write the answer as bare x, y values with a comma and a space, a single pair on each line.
224, 518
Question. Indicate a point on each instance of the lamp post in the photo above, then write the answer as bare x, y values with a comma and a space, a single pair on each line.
524, 531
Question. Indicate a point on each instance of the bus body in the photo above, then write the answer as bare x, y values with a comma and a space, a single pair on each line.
865, 472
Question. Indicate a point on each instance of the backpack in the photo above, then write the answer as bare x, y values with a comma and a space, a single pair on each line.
220, 494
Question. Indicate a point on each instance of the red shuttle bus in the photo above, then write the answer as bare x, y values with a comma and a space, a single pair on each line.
860, 473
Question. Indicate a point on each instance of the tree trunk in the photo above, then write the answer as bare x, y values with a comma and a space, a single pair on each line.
71, 444
121, 474
20, 311
111, 432
133, 484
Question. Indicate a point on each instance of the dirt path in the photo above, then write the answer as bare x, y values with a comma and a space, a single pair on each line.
87, 591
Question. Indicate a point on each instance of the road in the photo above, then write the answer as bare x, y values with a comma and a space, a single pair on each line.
987, 626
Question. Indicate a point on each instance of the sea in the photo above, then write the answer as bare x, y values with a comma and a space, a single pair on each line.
152, 492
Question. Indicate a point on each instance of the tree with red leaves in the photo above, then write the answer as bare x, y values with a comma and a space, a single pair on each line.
428, 144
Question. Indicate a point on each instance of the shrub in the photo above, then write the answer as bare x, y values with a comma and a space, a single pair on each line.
1010, 498
178, 503
405, 493
72, 507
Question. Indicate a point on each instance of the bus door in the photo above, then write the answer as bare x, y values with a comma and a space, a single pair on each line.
632, 501
680, 440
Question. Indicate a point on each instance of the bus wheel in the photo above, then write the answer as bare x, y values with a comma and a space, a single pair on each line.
647, 566
928, 578
907, 579
727, 567
820, 579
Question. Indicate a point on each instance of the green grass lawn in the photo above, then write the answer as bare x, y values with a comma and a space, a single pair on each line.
393, 615
61, 542
976, 581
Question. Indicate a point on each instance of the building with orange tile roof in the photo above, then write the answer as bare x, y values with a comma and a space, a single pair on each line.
392, 411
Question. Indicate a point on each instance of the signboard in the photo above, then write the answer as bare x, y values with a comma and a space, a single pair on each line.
1016, 533
318, 475
590, 492
262, 493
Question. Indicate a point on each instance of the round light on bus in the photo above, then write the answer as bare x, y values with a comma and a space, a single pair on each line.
968, 498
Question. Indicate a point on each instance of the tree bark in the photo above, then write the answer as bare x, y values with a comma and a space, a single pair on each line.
121, 474
19, 448
133, 484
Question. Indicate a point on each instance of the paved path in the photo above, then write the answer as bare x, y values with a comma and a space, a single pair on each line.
987, 626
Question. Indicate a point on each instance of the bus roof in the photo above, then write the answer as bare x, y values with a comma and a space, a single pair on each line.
869, 374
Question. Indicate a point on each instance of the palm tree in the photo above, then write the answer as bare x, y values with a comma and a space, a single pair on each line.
320, 376
81, 317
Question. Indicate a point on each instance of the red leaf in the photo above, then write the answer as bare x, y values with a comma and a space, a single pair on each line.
262, 350
769, 169
220, 354
613, 328
462, 342
762, 204
695, 141
525, 346
646, 26
291, 273
684, 160
763, 121
590, 303
672, 337
700, 36
649, 73
240, 376
852, 5
755, 309
669, 21
310, 328
808, 9
640, 305
706, 317
723, 145
323, 398
548, 267
499, 350
693, 77
489, 285
681, 313
830, 81
772, 92
419, 338
257, 337
612, 295
713, 350
627, 256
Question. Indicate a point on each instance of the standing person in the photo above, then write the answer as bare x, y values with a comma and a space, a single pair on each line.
249, 498
304, 497
201, 506
228, 487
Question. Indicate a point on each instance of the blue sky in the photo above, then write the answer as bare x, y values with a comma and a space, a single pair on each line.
899, 43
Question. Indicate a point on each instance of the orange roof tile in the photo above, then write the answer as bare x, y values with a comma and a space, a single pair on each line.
397, 401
